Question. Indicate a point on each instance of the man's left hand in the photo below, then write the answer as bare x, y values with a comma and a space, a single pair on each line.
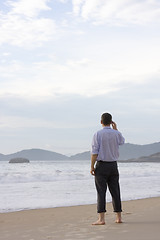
92, 172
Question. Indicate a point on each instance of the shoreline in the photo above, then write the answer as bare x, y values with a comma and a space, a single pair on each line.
141, 221
78, 205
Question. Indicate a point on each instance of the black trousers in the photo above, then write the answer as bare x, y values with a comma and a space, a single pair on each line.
106, 174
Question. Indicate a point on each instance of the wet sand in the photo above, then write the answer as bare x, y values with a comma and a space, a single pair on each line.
141, 221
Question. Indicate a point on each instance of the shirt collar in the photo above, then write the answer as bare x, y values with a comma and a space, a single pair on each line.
107, 127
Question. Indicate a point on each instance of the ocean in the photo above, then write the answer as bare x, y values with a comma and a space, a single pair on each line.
48, 184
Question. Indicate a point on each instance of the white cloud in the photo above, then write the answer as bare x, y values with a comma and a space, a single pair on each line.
29, 8
6, 54
25, 122
47, 79
77, 6
115, 12
26, 33
11, 70
63, 1
21, 26
83, 77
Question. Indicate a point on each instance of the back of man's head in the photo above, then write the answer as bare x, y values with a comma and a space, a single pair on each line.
106, 118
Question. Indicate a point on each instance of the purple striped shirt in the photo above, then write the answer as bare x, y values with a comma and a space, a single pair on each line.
106, 144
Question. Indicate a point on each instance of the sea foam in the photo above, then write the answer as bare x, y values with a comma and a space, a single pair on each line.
44, 184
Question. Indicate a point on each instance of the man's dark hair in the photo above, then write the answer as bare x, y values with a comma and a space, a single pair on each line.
106, 118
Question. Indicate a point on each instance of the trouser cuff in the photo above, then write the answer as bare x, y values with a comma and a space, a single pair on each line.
101, 211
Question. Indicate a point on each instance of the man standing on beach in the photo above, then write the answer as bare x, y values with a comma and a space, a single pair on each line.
105, 151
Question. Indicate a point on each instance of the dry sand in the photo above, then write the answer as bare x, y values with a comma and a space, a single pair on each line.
141, 222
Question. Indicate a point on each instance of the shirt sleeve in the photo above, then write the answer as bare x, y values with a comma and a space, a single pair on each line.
95, 144
121, 139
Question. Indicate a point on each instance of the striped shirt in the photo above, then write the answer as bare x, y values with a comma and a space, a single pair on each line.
106, 144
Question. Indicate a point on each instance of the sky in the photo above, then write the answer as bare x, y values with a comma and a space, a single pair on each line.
65, 62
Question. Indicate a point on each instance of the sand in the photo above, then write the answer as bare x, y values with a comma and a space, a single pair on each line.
141, 222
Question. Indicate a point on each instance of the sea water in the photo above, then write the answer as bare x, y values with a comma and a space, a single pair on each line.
45, 184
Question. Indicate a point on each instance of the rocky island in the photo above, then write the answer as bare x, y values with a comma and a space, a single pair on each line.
19, 160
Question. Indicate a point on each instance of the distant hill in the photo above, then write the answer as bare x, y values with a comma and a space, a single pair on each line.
152, 158
35, 154
127, 151
81, 156
1, 156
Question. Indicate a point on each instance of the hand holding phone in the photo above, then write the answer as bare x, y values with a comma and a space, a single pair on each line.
114, 125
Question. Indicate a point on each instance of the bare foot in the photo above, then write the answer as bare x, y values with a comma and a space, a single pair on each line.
98, 223
118, 218
118, 221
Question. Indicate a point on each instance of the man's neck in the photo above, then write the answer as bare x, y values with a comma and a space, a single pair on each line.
108, 125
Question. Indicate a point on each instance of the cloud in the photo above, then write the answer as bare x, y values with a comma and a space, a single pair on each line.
119, 13
84, 72
84, 76
45, 79
22, 26
29, 8
17, 122
63, 1
6, 54
135, 108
